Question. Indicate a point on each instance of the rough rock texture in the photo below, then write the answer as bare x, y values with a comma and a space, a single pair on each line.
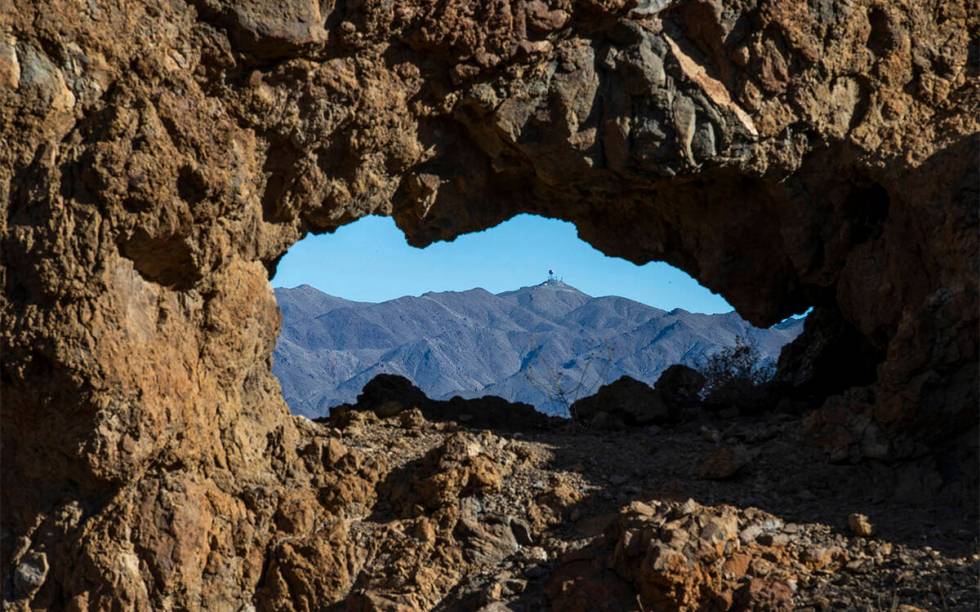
159, 157
570, 519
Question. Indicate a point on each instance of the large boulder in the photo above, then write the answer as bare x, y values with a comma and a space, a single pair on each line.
628, 402
625, 402
680, 387
387, 395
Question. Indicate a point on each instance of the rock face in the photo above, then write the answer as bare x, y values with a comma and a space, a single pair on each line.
159, 157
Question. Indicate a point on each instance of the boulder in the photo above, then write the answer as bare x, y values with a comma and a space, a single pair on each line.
680, 387
626, 402
389, 394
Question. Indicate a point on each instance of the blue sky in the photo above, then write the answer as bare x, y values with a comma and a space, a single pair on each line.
369, 260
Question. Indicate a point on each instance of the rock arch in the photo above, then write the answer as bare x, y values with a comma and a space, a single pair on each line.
161, 156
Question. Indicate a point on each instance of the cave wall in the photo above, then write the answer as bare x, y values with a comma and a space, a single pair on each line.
160, 156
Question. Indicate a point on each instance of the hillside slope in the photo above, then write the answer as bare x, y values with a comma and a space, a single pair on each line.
545, 345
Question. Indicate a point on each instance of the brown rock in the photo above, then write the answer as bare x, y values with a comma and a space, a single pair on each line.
724, 463
150, 180
686, 556
522, 531
765, 595
860, 525
9, 65
822, 557
333, 451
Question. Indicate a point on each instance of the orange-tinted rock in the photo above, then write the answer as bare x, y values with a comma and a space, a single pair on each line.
690, 557
159, 158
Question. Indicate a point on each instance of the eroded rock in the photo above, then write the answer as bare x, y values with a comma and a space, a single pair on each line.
725, 462
159, 158
687, 556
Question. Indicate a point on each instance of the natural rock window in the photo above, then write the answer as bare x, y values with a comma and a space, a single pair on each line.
159, 158
489, 315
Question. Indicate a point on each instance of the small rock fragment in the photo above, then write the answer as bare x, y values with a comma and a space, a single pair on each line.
764, 594
30, 573
9, 66
412, 419
750, 533
522, 531
46, 80
860, 525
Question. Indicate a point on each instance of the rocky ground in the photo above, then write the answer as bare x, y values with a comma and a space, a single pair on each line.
160, 158
710, 513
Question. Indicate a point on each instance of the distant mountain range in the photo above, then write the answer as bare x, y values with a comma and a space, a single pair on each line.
545, 345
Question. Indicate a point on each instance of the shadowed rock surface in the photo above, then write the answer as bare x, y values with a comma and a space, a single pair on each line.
624, 402
627, 402
546, 345
388, 395
159, 157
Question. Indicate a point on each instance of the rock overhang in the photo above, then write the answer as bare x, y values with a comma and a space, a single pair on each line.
786, 155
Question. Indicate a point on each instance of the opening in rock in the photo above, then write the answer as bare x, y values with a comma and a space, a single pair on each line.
525, 311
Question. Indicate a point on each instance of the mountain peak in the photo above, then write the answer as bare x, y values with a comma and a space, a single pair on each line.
557, 284
551, 285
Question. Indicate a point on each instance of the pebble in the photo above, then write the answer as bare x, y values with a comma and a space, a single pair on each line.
522, 531
30, 573
750, 533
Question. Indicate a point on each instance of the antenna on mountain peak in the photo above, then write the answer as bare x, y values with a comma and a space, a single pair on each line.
551, 276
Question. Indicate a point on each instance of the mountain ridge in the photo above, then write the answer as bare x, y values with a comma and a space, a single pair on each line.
544, 344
